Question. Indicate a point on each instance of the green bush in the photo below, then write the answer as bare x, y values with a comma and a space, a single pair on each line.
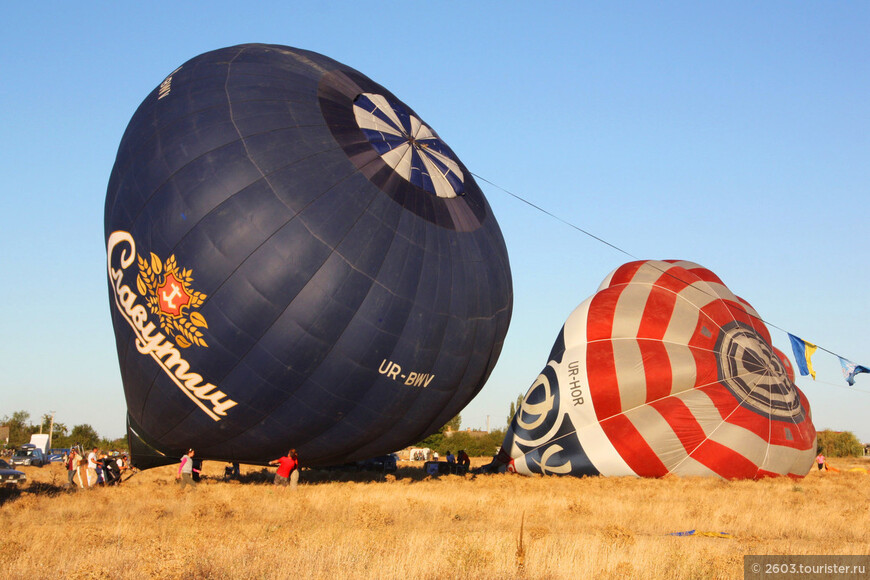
475, 445
839, 444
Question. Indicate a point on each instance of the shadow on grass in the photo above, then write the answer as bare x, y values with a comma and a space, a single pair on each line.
316, 476
36, 488
332, 475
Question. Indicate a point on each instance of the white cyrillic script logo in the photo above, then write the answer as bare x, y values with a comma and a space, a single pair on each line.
150, 341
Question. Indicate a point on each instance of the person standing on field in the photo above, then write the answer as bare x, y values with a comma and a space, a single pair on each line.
288, 469
820, 459
185, 470
70, 468
123, 465
92, 468
77, 467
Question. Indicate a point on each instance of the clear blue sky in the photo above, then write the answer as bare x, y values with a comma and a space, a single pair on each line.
735, 135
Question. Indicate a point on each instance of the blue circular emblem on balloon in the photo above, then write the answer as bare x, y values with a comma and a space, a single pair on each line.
408, 145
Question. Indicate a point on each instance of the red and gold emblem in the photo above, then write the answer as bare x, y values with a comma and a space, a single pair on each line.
172, 296
166, 289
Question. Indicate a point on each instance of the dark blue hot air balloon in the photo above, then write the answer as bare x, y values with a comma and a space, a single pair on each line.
295, 259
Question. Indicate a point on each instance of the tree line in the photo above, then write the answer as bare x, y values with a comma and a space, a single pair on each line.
839, 444
475, 444
831, 443
21, 428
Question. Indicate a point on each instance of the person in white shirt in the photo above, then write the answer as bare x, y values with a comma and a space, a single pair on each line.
92, 467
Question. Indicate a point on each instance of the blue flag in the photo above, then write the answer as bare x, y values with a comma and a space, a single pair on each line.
803, 350
851, 369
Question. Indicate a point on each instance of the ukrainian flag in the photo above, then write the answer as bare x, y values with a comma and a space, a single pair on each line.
803, 350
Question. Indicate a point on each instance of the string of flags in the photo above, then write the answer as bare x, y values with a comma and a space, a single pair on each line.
803, 352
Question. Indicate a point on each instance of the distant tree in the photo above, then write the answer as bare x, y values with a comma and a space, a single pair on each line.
84, 435
514, 408
107, 444
20, 428
119, 444
58, 431
476, 446
59, 435
434, 441
61, 440
839, 444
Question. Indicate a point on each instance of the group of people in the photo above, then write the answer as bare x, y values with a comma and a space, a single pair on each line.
461, 458
99, 468
287, 474
456, 464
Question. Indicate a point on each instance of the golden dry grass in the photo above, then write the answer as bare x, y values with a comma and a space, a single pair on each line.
409, 526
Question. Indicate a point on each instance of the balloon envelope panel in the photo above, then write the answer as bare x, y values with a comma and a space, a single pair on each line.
663, 371
295, 259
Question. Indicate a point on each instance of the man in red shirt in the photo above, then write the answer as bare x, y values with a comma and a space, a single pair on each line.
288, 469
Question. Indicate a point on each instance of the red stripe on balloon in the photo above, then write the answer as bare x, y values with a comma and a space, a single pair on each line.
603, 385
654, 323
600, 363
657, 313
682, 421
656, 368
731, 411
632, 447
724, 461
706, 275
599, 321
625, 273
676, 279
788, 434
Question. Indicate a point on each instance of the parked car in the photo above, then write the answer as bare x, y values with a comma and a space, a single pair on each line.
9, 476
29, 454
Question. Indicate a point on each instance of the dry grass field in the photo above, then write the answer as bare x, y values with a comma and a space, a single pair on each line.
340, 525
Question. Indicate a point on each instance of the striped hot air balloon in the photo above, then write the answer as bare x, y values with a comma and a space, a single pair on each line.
663, 371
